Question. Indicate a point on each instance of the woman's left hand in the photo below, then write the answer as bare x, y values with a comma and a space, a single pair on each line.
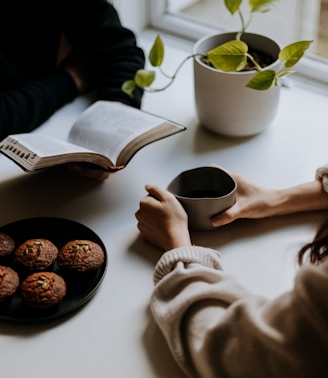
162, 221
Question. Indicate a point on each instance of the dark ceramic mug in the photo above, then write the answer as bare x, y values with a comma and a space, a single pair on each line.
203, 192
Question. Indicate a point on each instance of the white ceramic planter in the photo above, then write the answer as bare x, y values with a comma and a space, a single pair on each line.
224, 105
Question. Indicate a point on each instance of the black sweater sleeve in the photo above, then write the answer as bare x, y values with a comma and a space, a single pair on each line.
31, 92
25, 107
110, 48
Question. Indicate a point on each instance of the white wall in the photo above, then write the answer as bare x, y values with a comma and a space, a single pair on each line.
133, 13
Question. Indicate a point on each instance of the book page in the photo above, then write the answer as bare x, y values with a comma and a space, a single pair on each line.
37, 151
44, 146
106, 127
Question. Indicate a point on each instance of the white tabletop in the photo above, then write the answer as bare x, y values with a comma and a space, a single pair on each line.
113, 335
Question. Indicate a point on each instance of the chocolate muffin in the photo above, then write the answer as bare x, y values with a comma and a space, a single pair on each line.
43, 290
36, 254
80, 256
9, 282
7, 244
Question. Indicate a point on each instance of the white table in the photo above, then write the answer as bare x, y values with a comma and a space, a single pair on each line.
113, 335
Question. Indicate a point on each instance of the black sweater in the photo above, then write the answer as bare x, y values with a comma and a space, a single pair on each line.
32, 87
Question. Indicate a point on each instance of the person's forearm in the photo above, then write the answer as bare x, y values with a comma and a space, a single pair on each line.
24, 108
254, 202
304, 197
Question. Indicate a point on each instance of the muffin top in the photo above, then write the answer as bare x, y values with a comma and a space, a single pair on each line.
36, 254
43, 290
9, 282
7, 244
81, 256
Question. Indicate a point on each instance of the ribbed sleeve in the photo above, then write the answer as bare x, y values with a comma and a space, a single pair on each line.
322, 174
204, 256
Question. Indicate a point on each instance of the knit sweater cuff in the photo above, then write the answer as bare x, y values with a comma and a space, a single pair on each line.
322, 174
203, 256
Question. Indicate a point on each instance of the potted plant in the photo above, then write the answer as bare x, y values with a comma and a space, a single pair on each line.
236, 75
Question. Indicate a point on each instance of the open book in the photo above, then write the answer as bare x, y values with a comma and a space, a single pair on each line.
107, 134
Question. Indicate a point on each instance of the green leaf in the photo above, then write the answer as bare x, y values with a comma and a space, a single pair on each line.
262, 5
156, 53
292, 53
232, 5
144, 78
262, 80
231, 56
128, 87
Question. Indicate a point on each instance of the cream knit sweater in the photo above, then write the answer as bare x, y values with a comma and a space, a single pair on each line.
216, 328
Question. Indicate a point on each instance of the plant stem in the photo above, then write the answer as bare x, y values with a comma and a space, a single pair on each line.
165, 74
249, 21
244, 26
242, 20
257, 66
172, 78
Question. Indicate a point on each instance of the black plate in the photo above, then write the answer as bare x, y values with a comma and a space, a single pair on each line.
79, 290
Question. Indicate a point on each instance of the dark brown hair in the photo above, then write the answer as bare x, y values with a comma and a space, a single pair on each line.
317, 250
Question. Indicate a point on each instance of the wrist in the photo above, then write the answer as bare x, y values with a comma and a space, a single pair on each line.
177, 240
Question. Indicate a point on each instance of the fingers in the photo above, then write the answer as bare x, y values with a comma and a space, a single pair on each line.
223, 218
159, 202
158, 193
149, 203
158, 199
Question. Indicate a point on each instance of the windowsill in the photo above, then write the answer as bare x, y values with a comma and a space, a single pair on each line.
177, 101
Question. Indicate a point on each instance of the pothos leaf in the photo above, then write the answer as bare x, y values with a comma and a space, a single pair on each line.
144, 78
262, 80
262, 5
231, 56
128, 87
292, 53
156, 53
232, 5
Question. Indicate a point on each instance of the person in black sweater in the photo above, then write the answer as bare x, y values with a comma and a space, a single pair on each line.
53, 51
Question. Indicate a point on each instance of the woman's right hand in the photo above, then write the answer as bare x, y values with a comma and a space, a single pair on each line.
252, 201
